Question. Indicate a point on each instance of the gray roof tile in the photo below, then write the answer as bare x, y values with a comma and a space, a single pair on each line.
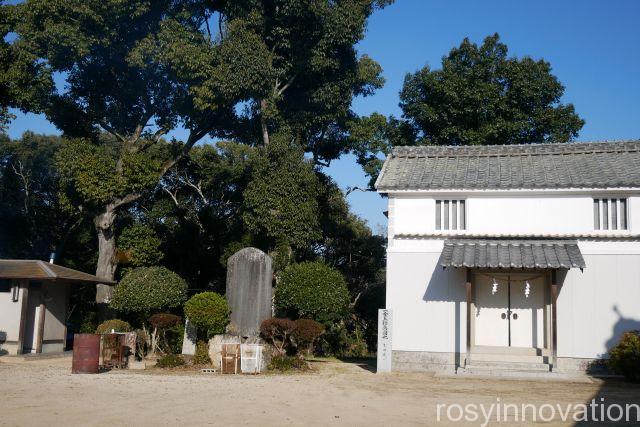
496, 253
571, 165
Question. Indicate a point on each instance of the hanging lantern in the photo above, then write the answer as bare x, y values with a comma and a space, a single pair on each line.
494, 287
527, 289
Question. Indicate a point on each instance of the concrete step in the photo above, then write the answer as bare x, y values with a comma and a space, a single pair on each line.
515, 374
521, 351
497, 357
491, 366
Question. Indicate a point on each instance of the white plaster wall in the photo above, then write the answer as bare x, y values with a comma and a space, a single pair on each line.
10, 315
508, 213
428, 303
596, 306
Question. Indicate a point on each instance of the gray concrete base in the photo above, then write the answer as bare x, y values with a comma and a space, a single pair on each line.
423, 361
427, 361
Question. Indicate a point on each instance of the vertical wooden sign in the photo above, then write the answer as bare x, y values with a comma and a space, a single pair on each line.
385, 329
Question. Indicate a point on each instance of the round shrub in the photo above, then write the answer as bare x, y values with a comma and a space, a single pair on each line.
278, 332
624, 358
208, 312
312, 290
306, 332
284, 363
149, 289
113, 324
164, 320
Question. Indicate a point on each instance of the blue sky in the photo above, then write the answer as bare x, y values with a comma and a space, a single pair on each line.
592, 45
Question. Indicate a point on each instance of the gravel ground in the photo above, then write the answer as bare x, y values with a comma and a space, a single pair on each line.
44, 393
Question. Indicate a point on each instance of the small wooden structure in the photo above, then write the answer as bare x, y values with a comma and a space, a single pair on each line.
33, 305
230, 360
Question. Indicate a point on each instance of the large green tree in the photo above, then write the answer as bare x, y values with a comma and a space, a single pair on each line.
136, 70
24, 82
480, 96
483, 96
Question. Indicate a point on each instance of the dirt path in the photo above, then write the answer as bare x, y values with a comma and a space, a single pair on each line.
45, 393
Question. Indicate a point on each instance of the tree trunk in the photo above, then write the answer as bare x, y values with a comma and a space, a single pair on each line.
263, 122
107, 262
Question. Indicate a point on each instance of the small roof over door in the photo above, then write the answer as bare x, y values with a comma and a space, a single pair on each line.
497, 253
40, 270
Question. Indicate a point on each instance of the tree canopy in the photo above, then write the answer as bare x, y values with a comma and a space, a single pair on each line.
480, 96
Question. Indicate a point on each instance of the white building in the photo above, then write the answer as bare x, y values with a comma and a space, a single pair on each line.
519, 256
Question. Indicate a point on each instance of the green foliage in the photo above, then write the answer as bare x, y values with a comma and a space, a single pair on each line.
202, 354
89, 324
280, 202
312, 290
170, 361
208, 312
141, 245
624, 358
481, 96
33, 220
149, 289
113, 324
284, 363
91, 178
24, 82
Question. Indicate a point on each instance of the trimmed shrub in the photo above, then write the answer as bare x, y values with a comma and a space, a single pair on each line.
312, 290
278, 332
170, 361
149, 289
284, 363
164, 320
202, 354
624, 358
115, 324
208, 312
306, 332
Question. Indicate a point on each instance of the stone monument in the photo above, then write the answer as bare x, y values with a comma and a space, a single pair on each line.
249, 291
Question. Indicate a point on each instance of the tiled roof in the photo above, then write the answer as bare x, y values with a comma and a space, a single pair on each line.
494, 253
533, 166
40, 270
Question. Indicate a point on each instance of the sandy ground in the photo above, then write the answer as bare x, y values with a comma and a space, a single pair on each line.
44, 392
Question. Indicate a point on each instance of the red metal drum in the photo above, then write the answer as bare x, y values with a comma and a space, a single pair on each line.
86, 354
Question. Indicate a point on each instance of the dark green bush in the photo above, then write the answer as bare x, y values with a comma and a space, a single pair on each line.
312, 290
149, 289
284, 363
202, 354
170, 361
115, 324
624, 358
208, 312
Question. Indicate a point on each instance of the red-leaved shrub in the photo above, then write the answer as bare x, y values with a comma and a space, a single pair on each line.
278, 332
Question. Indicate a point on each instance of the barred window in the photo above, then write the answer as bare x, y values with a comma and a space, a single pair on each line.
610, 214
450, 215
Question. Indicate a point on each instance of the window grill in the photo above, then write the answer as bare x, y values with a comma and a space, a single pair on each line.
450, 215
610, 214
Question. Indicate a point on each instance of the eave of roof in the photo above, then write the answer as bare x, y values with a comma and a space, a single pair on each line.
496, 253
42, 271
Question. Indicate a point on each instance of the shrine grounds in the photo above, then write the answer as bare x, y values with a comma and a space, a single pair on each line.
44, 393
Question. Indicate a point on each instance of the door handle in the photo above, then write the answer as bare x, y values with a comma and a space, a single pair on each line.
515, 316
503, 316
